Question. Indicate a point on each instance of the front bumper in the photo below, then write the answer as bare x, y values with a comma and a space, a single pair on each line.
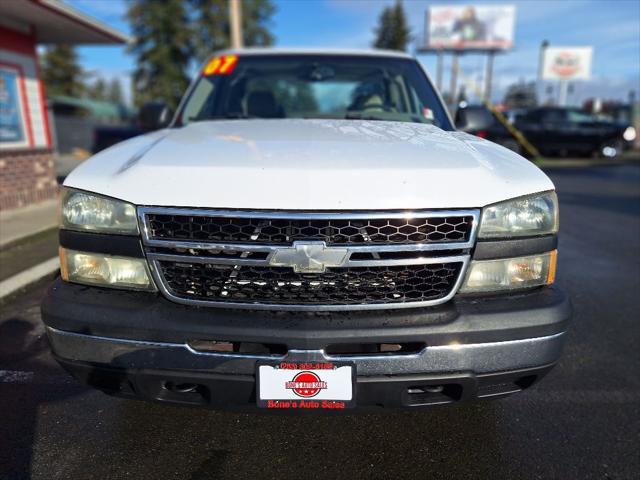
137, 344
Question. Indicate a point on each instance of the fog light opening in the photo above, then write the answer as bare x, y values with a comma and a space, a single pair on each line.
526, 382
181, 387
433, 394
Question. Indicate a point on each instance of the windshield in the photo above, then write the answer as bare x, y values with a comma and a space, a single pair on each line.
576, 116
316, 86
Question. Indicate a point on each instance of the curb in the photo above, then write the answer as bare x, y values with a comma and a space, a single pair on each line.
28, 276
583, 163
12, 242
19, 224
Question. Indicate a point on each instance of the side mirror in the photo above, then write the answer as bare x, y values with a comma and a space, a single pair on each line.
154, 116
460, 119
472, 119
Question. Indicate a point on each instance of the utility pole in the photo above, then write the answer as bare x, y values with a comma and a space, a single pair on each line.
540, 84
439, 71
453, 81
543, 48
235, 20
489, 76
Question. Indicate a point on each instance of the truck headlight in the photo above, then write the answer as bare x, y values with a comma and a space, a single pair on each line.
105, 270
510, 273
521, 217
86, 211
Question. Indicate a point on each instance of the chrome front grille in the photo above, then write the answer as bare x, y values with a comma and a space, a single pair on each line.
308, 261
335, 286
277, 230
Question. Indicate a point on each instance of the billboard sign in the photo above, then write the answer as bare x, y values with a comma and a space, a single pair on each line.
567, 63
468, 27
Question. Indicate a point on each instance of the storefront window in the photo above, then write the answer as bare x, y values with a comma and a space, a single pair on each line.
11, 121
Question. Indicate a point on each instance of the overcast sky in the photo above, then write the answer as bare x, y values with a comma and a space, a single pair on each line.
612, 27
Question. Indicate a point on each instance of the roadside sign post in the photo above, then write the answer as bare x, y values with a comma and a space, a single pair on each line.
453, 80
489, 76
566, 64
483, 29
539, 80
461, 29
439, 71
562, 93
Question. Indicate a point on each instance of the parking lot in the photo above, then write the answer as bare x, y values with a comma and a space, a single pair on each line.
582, 421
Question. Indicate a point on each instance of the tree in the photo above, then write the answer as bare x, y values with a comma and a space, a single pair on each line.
256, 16
212, 30
98, 91
61, 72
163, 49
114, 92
393, 32
521, 95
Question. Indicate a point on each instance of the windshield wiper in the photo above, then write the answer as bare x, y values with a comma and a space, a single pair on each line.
236, 115
362, 116
368, 116
231, 116
224, 116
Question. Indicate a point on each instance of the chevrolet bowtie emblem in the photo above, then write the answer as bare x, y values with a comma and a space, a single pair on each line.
309, 257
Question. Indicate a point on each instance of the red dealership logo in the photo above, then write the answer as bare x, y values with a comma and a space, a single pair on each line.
306, 384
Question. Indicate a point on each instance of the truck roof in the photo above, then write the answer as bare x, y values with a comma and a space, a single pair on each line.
313, 51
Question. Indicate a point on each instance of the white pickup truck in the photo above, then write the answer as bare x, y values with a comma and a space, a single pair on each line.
309, 232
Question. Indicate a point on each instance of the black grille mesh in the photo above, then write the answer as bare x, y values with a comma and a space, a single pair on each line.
338, 286
333, 232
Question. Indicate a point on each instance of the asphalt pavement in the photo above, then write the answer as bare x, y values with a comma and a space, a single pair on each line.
582, 421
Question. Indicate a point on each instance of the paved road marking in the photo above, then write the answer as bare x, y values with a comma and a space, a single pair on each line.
15, 376
28, 276
38, 378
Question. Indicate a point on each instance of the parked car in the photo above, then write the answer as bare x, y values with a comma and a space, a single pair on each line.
152, 116
569, 131
106, 136
309, 233
479, 121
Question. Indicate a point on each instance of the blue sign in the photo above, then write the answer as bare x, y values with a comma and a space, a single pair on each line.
11, 130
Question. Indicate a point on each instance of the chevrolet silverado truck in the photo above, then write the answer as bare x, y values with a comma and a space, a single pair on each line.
309, 233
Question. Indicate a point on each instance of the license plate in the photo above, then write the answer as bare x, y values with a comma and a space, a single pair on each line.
301, 386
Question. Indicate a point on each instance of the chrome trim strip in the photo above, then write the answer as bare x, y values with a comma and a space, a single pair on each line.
232, 354
347, 263
293, 215
474, 357
442, 348
154, 258
121, 344
212, 260
159, 279
144, 226
248, 247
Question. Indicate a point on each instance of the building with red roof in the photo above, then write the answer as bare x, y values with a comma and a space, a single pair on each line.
27, 173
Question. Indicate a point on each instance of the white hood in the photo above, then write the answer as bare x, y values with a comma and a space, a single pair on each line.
309, 165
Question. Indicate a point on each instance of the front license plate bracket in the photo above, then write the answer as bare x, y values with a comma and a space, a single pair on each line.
306, 385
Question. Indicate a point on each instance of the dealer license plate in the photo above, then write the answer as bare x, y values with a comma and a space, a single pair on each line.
301, 386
